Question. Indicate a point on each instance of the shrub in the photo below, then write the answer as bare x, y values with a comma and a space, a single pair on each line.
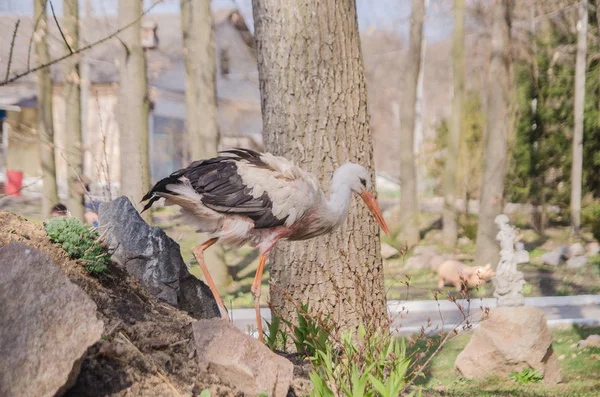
590, 216
79, 241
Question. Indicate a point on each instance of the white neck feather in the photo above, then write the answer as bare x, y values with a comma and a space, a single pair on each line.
339, 201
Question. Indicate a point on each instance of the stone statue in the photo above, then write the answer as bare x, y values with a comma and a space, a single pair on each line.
508, 284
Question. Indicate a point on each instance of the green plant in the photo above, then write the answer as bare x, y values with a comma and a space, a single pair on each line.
311, 333
590, 216
526, 376
366, 364
275, 338
80, 242
205, 393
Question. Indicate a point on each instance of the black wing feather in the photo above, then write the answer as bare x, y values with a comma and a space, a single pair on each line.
222, 189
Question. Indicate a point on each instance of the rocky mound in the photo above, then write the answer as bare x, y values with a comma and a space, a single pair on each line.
147, 346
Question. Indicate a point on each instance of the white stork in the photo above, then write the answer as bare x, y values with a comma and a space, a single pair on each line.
247, 197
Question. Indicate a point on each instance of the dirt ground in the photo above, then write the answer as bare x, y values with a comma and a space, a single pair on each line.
147, 346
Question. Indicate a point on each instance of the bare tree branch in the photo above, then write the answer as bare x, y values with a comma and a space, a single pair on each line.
59, 28
79, 50
12, 46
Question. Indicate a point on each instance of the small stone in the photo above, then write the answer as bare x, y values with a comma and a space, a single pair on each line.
577, 262
240, 360
592, 341
425, 250
576, 250
464, 241
417, 262
574, 345
561, 357
592, 248
573, 355
552, 258
387, 251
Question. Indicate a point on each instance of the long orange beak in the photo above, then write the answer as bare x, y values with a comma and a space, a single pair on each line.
372, 205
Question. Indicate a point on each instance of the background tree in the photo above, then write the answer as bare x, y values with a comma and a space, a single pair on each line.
409, 204
74, 153
134, 106
458, 73
202, 117
580, 68
44, 108
202, 120
314, 104
497, 133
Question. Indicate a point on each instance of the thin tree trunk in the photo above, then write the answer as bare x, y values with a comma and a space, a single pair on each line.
74, 153
44, 109
134, 107
450, 214
580, 66
314, 105
409, 204
202, 124
496, 135
202, 119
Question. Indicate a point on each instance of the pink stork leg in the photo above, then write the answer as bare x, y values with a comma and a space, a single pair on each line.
256, 292
199, 254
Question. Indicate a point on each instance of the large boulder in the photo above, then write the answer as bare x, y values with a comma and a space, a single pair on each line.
576, 250
592, 248
240, 360
576, 262
153, 258
47, 324
510, 339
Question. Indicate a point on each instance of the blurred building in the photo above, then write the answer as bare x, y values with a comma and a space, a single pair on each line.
237, 92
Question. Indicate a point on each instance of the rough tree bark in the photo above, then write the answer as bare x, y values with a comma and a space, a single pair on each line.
202, 119
314, 104
496, 135
134, 107
450, 214
409, 205
74, 153
44, 109
577, 166
202, 123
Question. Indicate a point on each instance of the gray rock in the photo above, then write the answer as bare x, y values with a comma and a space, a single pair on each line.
436, 261
552, 258
387, 251
240, 360
425, 250
510, 339
592, 248
577, 262
591, 341
576, 250
417, 262
563, 251
47, 324
464, 241
153, 258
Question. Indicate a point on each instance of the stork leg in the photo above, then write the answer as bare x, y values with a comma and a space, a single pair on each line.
256, 292
199, 255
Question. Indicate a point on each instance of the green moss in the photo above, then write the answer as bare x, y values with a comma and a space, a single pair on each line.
80, 242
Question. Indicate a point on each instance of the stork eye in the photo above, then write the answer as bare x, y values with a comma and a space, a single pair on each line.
363, 181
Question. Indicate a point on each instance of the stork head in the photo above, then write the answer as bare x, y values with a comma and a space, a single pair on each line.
358, 179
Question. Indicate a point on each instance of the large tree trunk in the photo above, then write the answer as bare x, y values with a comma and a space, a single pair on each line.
134, 107
450, 214
580, 66
202, 123
202, 119
73, 113
314, 104
44, 109
496, 135
409, 205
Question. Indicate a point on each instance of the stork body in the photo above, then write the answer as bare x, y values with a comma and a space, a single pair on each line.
245, 197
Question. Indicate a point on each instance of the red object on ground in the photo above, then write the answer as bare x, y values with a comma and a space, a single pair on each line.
14, 183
